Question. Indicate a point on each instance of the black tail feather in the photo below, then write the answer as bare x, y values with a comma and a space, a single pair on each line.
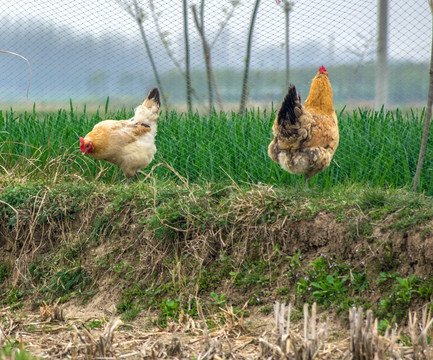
287, 111
154, 94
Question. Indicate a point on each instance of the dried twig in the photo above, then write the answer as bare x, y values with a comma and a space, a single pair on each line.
28, 63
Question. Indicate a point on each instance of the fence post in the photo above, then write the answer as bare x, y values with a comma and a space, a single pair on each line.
288, 6
428, 113
381, 89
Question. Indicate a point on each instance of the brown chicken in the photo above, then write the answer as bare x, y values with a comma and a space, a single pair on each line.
306, 137
129, 144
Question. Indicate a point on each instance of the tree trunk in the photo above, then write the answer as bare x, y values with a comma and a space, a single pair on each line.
381, 89
428, 114
185, 73
149, 53
187, 65
207, 48
200, 30
244, 93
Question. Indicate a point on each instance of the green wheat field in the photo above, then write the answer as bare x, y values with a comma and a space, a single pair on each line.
376, 148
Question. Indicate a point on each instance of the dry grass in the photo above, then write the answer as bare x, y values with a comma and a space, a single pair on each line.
366, 342
289, 344
88, 346
51, 313
280, 338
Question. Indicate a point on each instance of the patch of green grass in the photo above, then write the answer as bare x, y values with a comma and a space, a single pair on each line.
169, 311
332, 283
131, 313
252, 273
295, 264
102, 225
67, 283
283, 293
11, 351
142, 296
337, 285
400, 293
59, 276
14, 298
218, 301
95, 324
5, 271
267, 309
221, 148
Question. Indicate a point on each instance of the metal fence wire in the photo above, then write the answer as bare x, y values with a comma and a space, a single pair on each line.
235, 53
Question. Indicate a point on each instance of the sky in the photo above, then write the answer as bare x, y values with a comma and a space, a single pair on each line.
350, 23
75, 45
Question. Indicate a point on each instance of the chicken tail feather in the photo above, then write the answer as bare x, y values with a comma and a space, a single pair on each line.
154, 95
291, 108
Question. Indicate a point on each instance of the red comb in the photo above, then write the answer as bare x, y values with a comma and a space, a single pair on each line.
322, 69
81, 141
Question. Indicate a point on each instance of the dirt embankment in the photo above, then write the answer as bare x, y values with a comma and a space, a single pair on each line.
103, 252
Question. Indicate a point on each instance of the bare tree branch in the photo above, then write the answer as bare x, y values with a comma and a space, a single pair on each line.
225, 22
189, 88
362, 50
162, 36
137, 13
207, 56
